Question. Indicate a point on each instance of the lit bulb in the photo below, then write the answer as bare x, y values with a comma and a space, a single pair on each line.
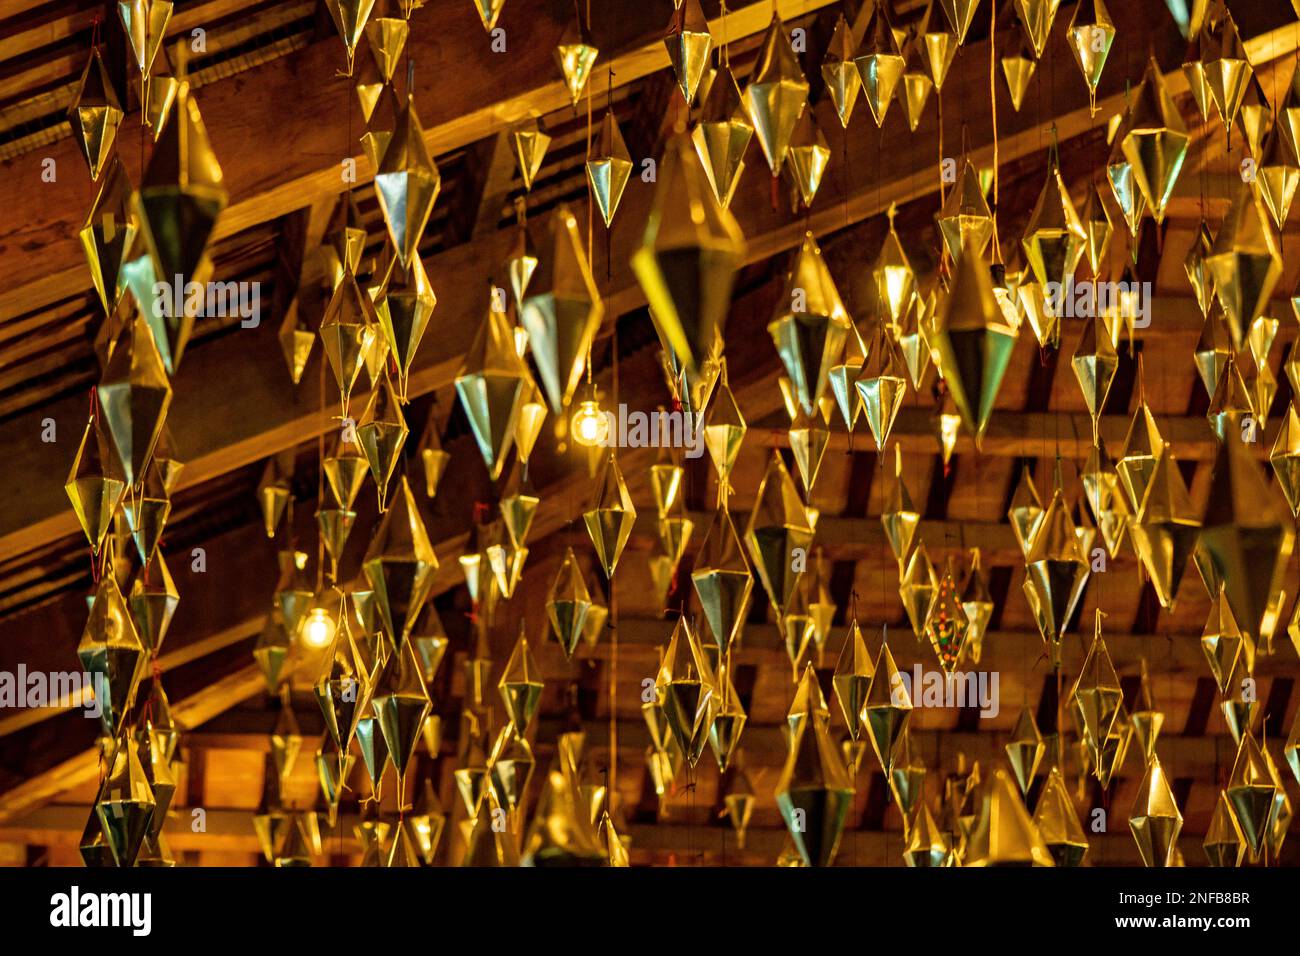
318, 628
590, 427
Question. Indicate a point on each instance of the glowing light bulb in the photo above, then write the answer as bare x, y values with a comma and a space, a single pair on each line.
590, 426
318, 628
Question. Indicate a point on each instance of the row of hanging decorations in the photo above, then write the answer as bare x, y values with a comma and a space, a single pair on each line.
382, 639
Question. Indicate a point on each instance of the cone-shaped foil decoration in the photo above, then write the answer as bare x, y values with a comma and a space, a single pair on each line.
381, 433
521, 684
1155, 819
611, 517
609, 167
1154, 140
561, 312
1058, 823
111, 653
134, 396
1165, 531
1025, 749
808, 157
109, 234
1091, 34
840, 73
1095, 363
973, 343
888, 707
965, 222
530, 143
399, 565
348, 332
688, 257
722, 579
95, 484
401, 703
125, 804
576, 55
407, 184
404, 314
882, 384
1245, 262
491, 388
1054, 239
879, 63
1056, 572
1003, 833
776, 95
721, 136
95, 113
689, 43
814, 794
810, 325
568, 603
778, 524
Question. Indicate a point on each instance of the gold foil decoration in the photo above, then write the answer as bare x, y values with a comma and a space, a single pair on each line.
808, 157
530, 143
609, 167
1058, 823
1223, 842
399, 565
1036, 18
134, 396
1155, 819
776, 95
1285, 458
407, 183
108, 236
1091, 34
814, 794
492, 386
610, 519
125, 804
348, 334
972, 342
561, 312
777, 525
1227, 67
1018, 70
879, 63
1003, 833
840, 73
350, 17
689, 43
112, 653
1165, 531
1025, 749
381, 433
882, 384
568, 603
810, 325
722, 579
95, 484
1245, 262
1154, 140
387, 36
721, 136
965, 222
1095, 363
888, 707
576, 55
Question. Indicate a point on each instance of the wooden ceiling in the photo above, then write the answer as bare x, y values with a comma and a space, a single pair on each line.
280, 120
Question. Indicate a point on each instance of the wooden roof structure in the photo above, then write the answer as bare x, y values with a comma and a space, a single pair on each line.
281, 121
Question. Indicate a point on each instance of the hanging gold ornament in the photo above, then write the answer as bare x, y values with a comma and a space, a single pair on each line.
1223, 842
146, 511
814, 794
972, 342
1154, 140
145, 24
568, 603
808, 157
722, 135
738, 802
1245, 262
1143, 447
689, 43
1223, 643
1120, 173
134, 395
1095, 363
1227, 67
917, 586
881, 383
879, 62
840, 73
407, 183
938, 44
399, 565
95, 485
1213, 351
809, 438
914, 90
724, 430
687, 227
387, 36
1091, 34
727, 720
852, 678
181, 196
1095, 218
488, 12
528, 423
776, 95
1165, 530
1018, 69
1147, 721
1198, 270
1255, 117
927, 844
893, 274
511, 765
844, 373
1155, 819
946, 625
1054, 239
1097, 695
1003, 833
888, 707
960, 14
977, 604
609, 521
153, 600
381, 433
609, 167
350, 18
898, 515
345, 469
576, 55
687, 685
561, 312
404, 313
274, 492
722, 579
125, 804
1058, 823
1246, 537
965, 222
348, 332
112, 654
1056, 573
108, 236
530, 143
1285, 458
906, 776
491, 387
1036, 18
810, 325
777, 525
1025, 749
